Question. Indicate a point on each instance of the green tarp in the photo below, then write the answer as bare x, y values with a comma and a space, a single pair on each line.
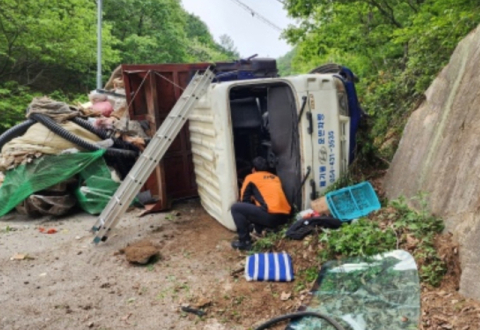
42, 173
96, 187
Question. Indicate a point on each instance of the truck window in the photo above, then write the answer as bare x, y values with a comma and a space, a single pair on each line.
264, 123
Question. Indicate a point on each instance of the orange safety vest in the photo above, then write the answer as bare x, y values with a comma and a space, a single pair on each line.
265, 190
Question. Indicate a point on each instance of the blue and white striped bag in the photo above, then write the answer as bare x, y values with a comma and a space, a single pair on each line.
269, 267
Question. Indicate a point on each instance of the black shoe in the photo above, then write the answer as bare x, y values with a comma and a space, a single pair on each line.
259, 230
242, 245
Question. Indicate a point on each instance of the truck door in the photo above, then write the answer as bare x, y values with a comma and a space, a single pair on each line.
282, 116
328, 131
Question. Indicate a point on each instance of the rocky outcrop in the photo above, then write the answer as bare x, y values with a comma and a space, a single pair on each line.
439, 154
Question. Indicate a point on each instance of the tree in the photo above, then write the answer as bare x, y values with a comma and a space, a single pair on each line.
201, 45
150, 31
161, 31
227, 46
396, 47
50, 46
37, 37
45, 46
197, 29
284, 63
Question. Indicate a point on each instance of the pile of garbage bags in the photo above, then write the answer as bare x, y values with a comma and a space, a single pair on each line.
65, 155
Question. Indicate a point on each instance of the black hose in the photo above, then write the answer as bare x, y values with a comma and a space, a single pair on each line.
103, 134
300, 314
15, 131
57, 129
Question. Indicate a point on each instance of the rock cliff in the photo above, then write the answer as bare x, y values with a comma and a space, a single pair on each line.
439, 154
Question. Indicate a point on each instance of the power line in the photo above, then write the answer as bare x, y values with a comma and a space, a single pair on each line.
254, 13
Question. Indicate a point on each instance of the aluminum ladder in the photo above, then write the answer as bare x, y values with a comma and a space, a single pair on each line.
151, 156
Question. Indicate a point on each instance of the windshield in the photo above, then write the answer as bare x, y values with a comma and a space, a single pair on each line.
378, 292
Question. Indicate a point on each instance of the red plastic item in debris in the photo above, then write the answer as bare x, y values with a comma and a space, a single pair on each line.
49, 231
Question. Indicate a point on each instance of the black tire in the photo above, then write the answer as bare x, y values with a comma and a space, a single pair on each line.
335, 69
327, 68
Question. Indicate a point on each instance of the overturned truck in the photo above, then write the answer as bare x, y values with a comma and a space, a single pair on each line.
303, 125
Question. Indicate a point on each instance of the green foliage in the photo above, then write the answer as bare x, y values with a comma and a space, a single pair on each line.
46, 46
71, 98
284, 63
200, 52
396, 47
50, 47
161, 31
363, 238
388, 232
197, 29
148, 31
38, 35
15, 98
423, 226
13, 104
268, 242
305, 276
227, 46
201, 45
345, 180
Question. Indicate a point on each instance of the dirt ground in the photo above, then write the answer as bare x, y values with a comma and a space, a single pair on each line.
444, 307
62, 281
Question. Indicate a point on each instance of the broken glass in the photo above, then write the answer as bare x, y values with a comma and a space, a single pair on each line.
366, 293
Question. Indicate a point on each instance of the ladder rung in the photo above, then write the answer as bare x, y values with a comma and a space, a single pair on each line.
152, 154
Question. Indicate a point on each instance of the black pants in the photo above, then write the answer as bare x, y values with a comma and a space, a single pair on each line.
245, 214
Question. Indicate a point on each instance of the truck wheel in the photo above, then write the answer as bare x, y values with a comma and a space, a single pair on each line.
327, 68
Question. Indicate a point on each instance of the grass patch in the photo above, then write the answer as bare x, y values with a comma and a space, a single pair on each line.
418, 230
397, 226
346, 180
362, 238
305, 277
270, 240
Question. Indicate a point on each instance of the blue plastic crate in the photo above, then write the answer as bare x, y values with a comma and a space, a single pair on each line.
353, 202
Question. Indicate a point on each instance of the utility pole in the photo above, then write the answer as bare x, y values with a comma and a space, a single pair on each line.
99, 44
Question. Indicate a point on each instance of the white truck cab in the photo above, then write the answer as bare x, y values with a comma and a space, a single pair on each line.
300, 124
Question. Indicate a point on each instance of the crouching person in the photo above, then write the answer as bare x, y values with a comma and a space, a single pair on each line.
263, 204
